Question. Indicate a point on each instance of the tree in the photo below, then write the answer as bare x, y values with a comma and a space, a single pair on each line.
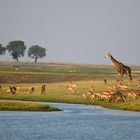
2, 50
36, 52
16, 49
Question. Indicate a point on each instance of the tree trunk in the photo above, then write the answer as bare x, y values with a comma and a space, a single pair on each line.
36, 59
17, 59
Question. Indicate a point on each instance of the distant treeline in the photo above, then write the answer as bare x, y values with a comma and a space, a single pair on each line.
17, 49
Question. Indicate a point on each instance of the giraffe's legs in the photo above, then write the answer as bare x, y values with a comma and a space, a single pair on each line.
129, 77
120, 76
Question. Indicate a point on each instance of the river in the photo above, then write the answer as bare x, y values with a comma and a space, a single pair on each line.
76, 122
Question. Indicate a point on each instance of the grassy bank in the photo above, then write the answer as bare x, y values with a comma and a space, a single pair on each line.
25, 106
57, 92
128, 105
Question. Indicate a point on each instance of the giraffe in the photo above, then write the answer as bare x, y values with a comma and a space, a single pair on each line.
121, 68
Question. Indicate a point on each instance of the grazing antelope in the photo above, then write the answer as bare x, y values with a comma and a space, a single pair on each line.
122, 87
93, 97
18, 87
105, 81
88, 95
72, 87
11, 90
28, 89
120, 99
84, 96
104, 95
138, 85
110, 87
31, 89
116, 96
133, 94
91, 88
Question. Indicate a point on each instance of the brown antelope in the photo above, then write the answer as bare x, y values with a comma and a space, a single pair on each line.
89, 95
72, 87
122, 87
116, 96
27, 89
18, 87
120, 99
91, 88
31, 89
11, 90
133, 94
138, 85
104, 95
84, 96
93, 97
110, 87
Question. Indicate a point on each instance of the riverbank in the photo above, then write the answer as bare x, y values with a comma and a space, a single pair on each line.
58, 93
25, 106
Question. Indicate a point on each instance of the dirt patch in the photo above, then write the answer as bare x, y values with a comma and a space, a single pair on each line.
47, 79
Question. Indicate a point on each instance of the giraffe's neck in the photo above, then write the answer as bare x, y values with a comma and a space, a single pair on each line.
114, 61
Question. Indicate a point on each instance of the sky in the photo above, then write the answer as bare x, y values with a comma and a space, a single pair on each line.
77, 31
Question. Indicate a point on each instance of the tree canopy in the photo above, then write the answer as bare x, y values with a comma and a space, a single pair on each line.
36, 52
2, 50
16, 49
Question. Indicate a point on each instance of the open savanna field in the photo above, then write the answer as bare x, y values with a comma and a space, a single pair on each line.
57, 76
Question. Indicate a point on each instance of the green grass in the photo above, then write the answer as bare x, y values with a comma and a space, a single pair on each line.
25, 106
57, 92
128, 105
53, 68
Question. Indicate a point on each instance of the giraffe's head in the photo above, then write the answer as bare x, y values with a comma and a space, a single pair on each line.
108, 55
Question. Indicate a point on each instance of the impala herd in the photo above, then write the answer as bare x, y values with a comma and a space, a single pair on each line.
117, 92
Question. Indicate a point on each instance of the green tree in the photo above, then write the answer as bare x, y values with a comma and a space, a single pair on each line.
2, 50
36, 52
16, 49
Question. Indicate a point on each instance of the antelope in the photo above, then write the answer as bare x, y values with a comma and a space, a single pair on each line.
31, 89
133, 94
116, 96
91, 88
110, 87
88, 95
18, 87
11, 90
93, 97
104, 95
120, 98
84, 96
123, 87
27, 89
138, 85
72, 87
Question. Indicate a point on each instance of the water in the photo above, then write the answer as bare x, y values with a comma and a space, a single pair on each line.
76, 122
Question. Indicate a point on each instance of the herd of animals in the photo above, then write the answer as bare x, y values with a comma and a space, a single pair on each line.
117, 92
15, 89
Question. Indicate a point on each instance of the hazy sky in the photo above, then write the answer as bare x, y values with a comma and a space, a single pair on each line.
79, 31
